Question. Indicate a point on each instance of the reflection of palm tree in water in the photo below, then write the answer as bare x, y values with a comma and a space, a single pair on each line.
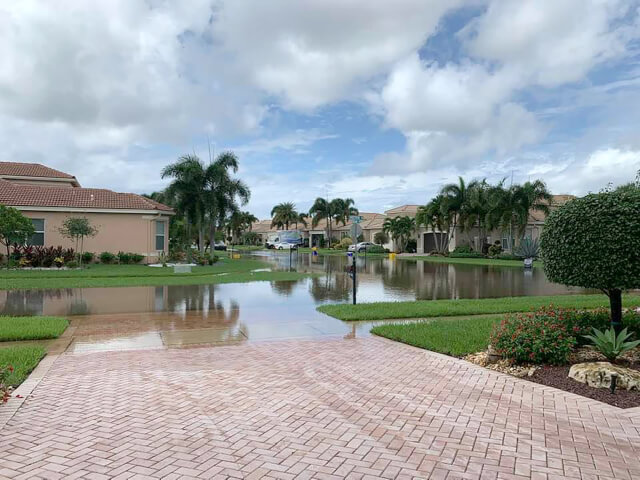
285, 288
190, 299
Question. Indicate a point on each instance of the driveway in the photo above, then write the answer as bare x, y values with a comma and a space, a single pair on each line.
332, 408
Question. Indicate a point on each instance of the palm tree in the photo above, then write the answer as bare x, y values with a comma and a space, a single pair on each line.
343, 208
476, 209
456, 201
437, 216
223, 192
302, 218
187, 189
532, 196
240, 221
322, 210
400, 229
283, 214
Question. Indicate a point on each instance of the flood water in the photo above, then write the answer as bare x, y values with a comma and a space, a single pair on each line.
182, 315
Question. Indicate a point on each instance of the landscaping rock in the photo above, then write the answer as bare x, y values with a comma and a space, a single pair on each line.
598, 375
492, 355
503, 365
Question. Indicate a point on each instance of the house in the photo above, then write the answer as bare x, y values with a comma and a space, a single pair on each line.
125, 221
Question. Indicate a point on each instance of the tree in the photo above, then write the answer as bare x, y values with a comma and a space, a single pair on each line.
322, 210
437, 216
239, 222
77, 228
401, 229
531, 196
284, 214
455, 200
343, 209
594, 242
14, 228
381, 238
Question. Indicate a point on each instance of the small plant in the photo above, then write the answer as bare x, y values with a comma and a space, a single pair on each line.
124, 258
87, 257
495, 249
610, 344
72, 264
58, 261
107, 257
5, 373
528, 249
24, 262
545, 336
344, 243
135, 257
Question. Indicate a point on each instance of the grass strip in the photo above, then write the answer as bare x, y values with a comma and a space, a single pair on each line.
23, 359
453, 337
150, 281
438, 308
496, 262
31, 328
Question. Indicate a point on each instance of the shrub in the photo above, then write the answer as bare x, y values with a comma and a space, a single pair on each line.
72, 264
507, 256
136, 257
495, 249
381, 238
538, 337
594, 242
107, 257
124, 258
176, 255
610, 344
87, 257
465, 251
344, 243
335, 245
58, 261
376, 249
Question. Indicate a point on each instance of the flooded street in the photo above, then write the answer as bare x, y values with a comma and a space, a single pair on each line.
173, 316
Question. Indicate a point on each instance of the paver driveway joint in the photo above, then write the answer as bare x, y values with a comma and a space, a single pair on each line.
361, 408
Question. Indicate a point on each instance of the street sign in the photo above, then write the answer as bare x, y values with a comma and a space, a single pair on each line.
355, 219
356, 231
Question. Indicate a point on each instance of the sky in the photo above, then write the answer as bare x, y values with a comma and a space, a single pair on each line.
380, 101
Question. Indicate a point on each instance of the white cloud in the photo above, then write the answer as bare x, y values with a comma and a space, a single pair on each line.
550, 42
320, 51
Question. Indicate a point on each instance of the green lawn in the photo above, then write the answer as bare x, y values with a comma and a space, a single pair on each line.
31, 328
438, 308
225, 271
470, 261
453, 337
23, 359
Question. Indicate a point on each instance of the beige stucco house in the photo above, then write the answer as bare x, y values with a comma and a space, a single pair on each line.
125, 221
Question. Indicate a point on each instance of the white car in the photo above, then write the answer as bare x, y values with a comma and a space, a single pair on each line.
360, 247
284, 246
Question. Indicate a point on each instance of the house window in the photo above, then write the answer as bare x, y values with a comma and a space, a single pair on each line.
160, 229
38, 236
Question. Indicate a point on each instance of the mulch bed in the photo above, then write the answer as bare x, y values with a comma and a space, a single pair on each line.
558, 377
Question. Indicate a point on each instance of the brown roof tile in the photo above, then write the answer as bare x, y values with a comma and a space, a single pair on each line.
16, 169
17, 195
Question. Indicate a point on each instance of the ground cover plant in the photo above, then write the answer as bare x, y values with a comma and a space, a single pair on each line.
31, 328
22, 359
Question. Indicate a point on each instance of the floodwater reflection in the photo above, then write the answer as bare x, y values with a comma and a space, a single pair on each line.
182, 315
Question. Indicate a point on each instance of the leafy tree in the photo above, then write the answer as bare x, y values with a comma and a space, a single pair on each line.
240, 222
322, 210
14, 228
284, 214
400, 229
594, 242
437, 216
343, 208
77, 228
381, 238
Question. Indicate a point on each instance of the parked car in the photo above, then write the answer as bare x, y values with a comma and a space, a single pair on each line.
360, 247
285, 246
219, 246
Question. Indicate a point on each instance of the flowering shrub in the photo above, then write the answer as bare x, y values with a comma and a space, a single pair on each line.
544, 336
5, 371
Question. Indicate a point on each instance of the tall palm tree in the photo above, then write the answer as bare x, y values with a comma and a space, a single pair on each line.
343, 208
437, 216
240, 222
322, 210
302, 218
456, 197
188, 191
531, 196
284, 214
223, 192
476, 210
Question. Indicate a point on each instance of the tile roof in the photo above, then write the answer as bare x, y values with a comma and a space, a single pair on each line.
17, 169
17, 195
403, 210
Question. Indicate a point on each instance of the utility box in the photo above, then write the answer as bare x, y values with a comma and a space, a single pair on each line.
182, 269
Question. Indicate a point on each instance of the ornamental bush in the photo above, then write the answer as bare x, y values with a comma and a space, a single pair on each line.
107, 257
594, 242
539, 337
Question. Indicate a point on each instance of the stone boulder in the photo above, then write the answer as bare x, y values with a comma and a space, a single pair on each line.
598, 375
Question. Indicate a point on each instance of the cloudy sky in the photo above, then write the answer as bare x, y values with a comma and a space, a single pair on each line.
382, 101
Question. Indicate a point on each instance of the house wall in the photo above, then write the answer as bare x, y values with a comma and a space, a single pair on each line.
127, 232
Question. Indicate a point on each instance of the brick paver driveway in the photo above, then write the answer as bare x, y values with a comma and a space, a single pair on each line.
365, 408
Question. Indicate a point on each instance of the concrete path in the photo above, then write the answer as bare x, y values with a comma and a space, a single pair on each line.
360, 408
